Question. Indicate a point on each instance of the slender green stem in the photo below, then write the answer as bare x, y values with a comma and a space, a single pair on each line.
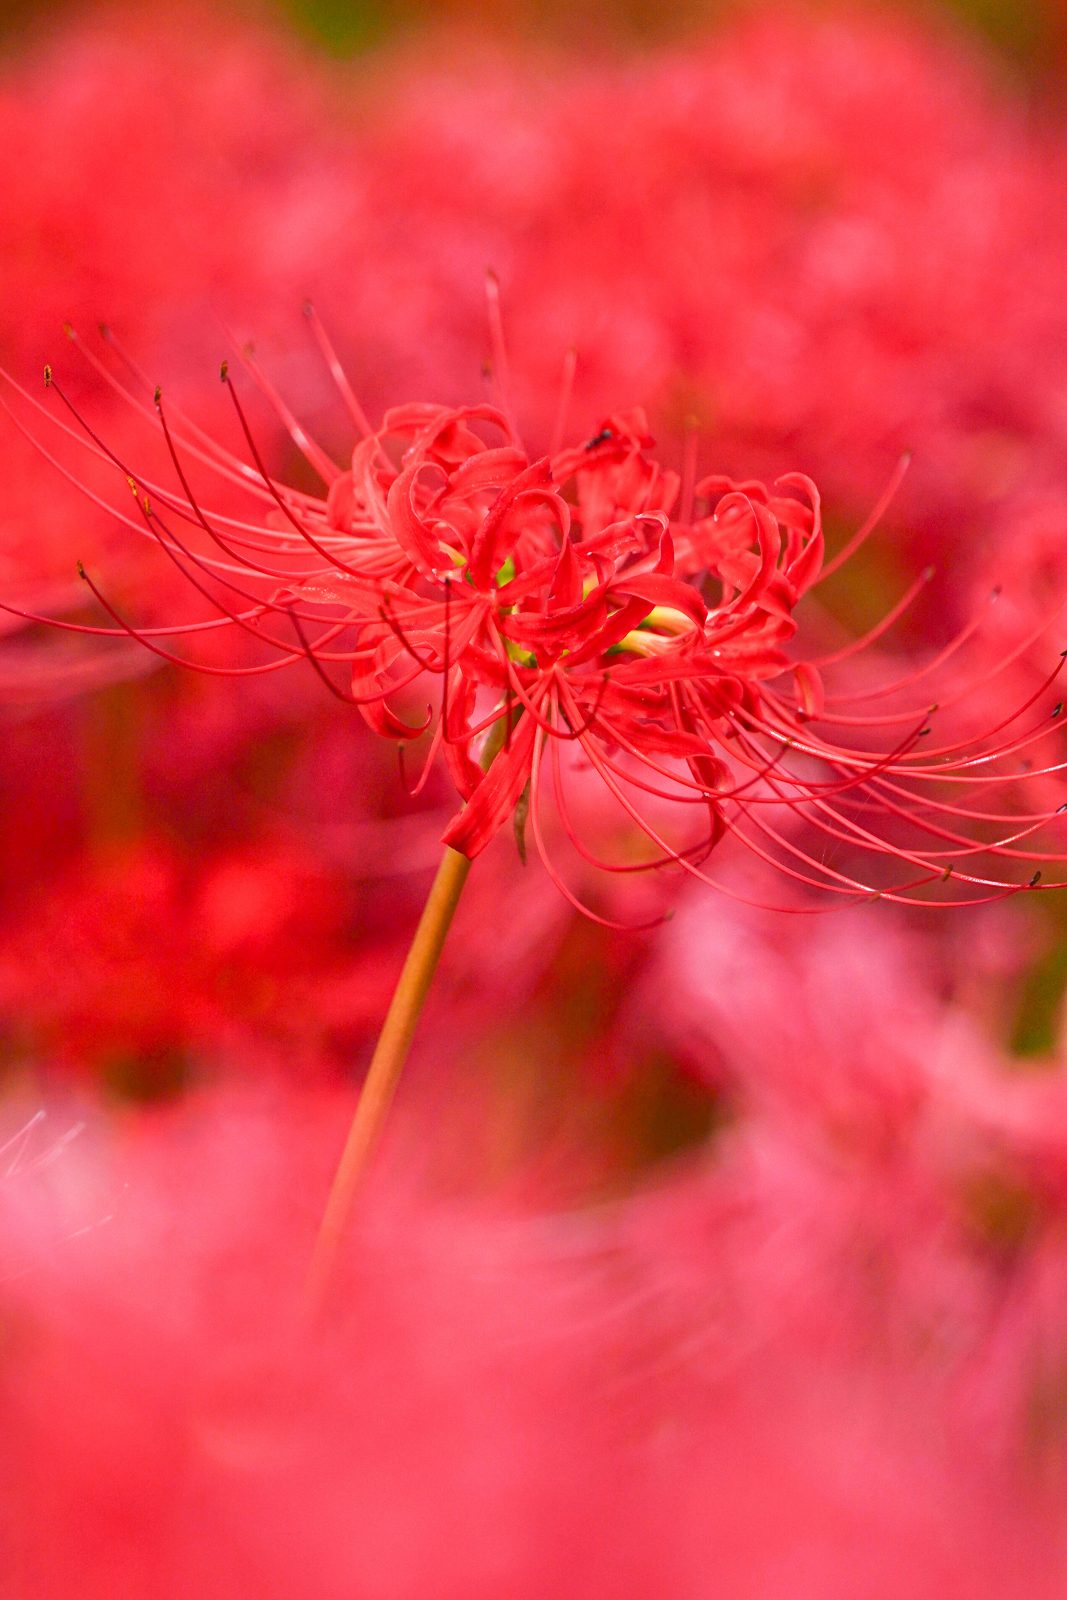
386, 1065
393, 1045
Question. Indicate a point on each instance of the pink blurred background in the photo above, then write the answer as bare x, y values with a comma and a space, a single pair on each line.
726, 1259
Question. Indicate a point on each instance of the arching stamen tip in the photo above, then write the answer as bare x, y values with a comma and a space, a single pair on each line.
492, 278
224, 372
1057, 708
131, 484
1034, 881
157, 397
68, 329
48, 377
80, 568
924, 731
1060, 809
932, 708
949, 870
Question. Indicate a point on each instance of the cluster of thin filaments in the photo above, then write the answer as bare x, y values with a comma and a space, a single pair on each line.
587, 611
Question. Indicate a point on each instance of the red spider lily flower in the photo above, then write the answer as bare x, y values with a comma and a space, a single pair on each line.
589, 602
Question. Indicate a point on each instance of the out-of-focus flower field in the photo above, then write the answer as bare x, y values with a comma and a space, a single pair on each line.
725, 1258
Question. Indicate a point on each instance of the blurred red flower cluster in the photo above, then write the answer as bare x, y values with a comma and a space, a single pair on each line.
727, 1257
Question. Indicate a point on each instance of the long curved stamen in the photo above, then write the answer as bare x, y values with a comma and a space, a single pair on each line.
279, 499
337, 372
229, 467
146, 638
880, 629
312, 452
864, 531
550, 868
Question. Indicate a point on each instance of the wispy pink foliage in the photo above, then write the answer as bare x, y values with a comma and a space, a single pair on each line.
653, 1399
923, 1172
193, 1435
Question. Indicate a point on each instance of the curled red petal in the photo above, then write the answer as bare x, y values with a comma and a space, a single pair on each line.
486, 555
414, 535
496, 797
671, 592
368, 684
489, 469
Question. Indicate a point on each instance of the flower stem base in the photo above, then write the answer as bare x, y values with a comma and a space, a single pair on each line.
386, 1065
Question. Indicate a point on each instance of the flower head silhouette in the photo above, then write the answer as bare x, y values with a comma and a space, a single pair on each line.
590, 608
